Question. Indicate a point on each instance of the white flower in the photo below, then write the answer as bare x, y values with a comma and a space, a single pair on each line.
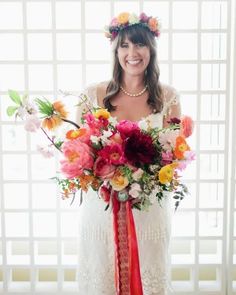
113, 120
143, 124
94, 139
135, 190
137, 174
45, 151
133, 18
105, 136
32, 123
168, 139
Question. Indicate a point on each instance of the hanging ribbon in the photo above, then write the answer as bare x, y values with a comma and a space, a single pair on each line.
127, 270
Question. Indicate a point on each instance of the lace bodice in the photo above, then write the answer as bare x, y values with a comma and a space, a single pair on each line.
170, 96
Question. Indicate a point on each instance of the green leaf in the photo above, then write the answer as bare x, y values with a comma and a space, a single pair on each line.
11, 110
15, 96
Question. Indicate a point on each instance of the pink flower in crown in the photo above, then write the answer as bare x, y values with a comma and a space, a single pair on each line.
186, 126
143, 17
126, 128
114, 22
166, 158
113, 153
102, 168
78, 156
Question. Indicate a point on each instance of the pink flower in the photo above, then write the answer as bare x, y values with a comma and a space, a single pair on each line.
78, 156
114, 22
105, 193
126, 128
45, 151
186, 126
32, 123
168, 139
143, 17
135, 190
92, 122
113, 153
102, 168
166, 158
189, 156
182, 165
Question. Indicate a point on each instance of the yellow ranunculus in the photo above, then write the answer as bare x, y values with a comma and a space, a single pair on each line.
166, 173
102, 113
123, 18
119, 181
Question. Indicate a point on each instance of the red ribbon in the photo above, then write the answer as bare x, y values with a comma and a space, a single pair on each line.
128, 229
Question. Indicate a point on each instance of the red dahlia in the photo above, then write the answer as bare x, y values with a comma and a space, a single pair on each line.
139, 148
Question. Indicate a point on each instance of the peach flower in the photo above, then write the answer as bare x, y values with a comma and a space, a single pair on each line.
152, 24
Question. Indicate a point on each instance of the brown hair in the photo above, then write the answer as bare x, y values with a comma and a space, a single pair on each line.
136, 34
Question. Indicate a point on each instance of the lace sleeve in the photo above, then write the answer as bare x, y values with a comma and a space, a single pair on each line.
90, 100
171, 98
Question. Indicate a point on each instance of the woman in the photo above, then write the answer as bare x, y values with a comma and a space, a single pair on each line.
134, 93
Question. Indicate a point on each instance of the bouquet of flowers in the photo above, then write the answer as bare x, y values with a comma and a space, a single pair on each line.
138, 162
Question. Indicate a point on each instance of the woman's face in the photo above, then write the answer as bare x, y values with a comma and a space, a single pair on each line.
133, 58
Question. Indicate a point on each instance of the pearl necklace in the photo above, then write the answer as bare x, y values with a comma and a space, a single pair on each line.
134, 94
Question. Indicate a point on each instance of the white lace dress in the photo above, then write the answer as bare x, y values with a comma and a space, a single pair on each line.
96, 248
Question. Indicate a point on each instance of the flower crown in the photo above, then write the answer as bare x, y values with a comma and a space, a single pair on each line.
125, 19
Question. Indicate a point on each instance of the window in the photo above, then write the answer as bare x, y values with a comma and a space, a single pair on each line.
50, 45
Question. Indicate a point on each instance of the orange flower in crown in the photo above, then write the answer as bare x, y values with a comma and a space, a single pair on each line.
125, 20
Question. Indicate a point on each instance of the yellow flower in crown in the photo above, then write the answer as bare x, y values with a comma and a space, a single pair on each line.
166, 173
102, 113
123, 18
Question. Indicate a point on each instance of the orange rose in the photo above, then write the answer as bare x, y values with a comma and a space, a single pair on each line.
123, 18
152, 24
73, 134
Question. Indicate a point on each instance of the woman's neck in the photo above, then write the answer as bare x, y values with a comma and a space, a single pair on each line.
132, 83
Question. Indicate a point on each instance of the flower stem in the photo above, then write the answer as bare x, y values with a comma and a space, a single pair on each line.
70, 122
51, 140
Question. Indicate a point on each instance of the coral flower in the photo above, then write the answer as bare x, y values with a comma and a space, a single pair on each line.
78, 157
186, 126
73, 134
180, 148
119, 181
123, 18
152, 24
166, 173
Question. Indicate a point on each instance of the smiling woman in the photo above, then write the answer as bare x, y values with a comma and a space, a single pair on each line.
134, 93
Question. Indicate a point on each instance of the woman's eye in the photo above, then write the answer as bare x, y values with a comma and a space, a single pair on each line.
123, 45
